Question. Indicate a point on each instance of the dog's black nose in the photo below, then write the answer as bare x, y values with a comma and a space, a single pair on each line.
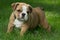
23, 14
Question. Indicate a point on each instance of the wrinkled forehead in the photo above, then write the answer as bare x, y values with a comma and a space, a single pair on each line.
22, 6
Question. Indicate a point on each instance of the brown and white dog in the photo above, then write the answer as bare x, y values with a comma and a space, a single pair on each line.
26, 17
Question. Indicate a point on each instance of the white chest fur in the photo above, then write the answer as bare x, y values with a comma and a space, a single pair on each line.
18, 23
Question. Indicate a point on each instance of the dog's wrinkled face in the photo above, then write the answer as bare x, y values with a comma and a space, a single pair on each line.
23, 10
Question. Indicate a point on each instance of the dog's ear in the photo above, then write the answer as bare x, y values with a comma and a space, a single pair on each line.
30, 9
14, 5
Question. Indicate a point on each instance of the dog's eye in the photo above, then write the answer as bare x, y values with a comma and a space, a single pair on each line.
19, 10
27, 11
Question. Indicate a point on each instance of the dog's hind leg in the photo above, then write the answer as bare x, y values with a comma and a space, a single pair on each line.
42, 19
45, 24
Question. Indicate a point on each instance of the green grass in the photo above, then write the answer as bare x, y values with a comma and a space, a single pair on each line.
52, 10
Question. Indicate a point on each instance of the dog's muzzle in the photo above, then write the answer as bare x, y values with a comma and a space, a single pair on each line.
23, 15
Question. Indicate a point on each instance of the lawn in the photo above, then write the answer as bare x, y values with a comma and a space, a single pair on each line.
52, 12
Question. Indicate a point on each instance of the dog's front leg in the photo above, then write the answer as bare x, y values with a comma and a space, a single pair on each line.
24, 28
11, 25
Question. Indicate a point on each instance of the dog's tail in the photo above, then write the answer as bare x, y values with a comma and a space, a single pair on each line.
41, 8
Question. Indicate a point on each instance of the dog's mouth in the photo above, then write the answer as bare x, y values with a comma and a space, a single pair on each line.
21, 19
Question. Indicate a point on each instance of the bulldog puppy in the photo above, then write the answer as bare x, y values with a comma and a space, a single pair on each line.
25, 17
